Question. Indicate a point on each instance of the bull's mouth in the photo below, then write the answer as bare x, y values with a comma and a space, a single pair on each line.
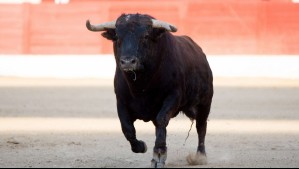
134, 68
128, 69
131, 73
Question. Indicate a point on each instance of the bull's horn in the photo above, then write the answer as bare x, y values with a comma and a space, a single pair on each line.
100, 27
165, 25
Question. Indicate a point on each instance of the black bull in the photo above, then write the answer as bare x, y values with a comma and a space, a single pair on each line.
157, 76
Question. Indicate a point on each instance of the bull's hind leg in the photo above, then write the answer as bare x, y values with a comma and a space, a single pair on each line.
200, 157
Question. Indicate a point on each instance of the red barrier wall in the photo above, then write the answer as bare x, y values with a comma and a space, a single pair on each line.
220, 27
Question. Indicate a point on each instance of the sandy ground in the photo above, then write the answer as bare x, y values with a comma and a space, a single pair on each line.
73, 123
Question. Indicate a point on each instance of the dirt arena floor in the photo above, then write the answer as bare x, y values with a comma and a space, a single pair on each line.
73, 123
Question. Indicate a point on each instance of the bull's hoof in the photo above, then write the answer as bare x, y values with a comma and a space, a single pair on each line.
156, 164
139, 147
159, 159
197, 159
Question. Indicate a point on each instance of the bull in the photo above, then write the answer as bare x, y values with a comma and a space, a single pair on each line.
157, 76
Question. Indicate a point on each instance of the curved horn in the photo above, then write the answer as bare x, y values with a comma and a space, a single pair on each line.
165, 25
100, 27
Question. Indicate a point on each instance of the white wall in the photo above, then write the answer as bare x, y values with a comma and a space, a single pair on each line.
103, 66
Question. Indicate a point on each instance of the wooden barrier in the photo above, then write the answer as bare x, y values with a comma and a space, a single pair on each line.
220, 27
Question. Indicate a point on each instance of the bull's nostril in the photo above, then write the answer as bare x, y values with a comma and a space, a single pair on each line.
133, 61
128, 62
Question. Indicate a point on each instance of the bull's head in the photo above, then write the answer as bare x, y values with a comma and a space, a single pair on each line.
135, 38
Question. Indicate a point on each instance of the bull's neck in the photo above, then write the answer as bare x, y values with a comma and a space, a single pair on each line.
140, 81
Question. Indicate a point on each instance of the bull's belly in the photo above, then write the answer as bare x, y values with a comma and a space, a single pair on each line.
148, 109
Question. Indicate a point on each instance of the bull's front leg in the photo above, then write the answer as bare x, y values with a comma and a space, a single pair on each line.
127, 125
161, 122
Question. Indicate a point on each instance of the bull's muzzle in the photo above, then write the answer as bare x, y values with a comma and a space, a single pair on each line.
129, 64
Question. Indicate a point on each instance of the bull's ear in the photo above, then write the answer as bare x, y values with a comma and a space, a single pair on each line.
158, 32
110, 34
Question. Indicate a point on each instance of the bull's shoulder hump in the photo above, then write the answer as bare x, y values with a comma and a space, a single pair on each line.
183, 38
187, 42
